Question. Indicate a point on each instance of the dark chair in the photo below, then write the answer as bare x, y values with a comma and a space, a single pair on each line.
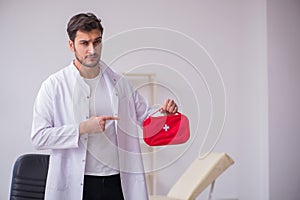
29, 177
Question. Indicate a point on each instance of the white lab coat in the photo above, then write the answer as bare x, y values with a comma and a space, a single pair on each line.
61, 104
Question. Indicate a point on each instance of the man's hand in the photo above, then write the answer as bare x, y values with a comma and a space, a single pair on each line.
169, 107
95, 124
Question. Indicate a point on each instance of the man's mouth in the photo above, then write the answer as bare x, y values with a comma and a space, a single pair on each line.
91, 57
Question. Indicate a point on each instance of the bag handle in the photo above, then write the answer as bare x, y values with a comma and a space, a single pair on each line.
153, 113
158, 110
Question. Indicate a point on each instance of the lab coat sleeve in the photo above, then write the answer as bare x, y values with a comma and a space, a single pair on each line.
46, 133
142, 108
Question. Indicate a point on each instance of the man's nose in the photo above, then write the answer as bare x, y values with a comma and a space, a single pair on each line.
91, 49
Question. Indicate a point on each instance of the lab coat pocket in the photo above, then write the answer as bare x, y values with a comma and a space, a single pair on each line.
58, 174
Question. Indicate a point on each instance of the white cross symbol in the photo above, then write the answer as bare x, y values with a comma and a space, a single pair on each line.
166, 127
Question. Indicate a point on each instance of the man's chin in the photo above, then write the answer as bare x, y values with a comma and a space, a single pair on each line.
91, 65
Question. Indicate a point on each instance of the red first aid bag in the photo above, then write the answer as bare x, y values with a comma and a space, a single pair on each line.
166, 130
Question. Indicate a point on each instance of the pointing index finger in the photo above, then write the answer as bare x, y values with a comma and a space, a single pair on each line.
110, 118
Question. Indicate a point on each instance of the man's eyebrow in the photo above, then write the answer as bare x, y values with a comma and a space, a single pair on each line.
98, 38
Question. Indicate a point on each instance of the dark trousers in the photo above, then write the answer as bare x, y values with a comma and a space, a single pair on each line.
102, 187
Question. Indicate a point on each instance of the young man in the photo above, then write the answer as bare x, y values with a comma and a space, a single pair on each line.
86, 115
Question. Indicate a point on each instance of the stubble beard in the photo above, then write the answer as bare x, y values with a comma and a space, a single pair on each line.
89, 65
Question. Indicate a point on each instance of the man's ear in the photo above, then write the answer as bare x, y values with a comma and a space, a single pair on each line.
71, 46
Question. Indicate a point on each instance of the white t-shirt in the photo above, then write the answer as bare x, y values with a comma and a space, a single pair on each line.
102, 151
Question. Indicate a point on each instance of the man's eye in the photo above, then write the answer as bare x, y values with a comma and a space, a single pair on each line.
84, 43
97, 42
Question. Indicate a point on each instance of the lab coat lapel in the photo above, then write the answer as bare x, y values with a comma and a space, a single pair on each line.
111, 82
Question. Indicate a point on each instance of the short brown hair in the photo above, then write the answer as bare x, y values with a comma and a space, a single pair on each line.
83, 22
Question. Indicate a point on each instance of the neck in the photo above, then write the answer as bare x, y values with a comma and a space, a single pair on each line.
87, 72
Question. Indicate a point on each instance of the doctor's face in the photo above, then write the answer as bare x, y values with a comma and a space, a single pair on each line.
87, 47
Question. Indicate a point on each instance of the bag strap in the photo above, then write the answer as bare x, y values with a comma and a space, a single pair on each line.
158, 110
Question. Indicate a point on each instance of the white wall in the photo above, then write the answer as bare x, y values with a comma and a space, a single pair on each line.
233, 32
284, 98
